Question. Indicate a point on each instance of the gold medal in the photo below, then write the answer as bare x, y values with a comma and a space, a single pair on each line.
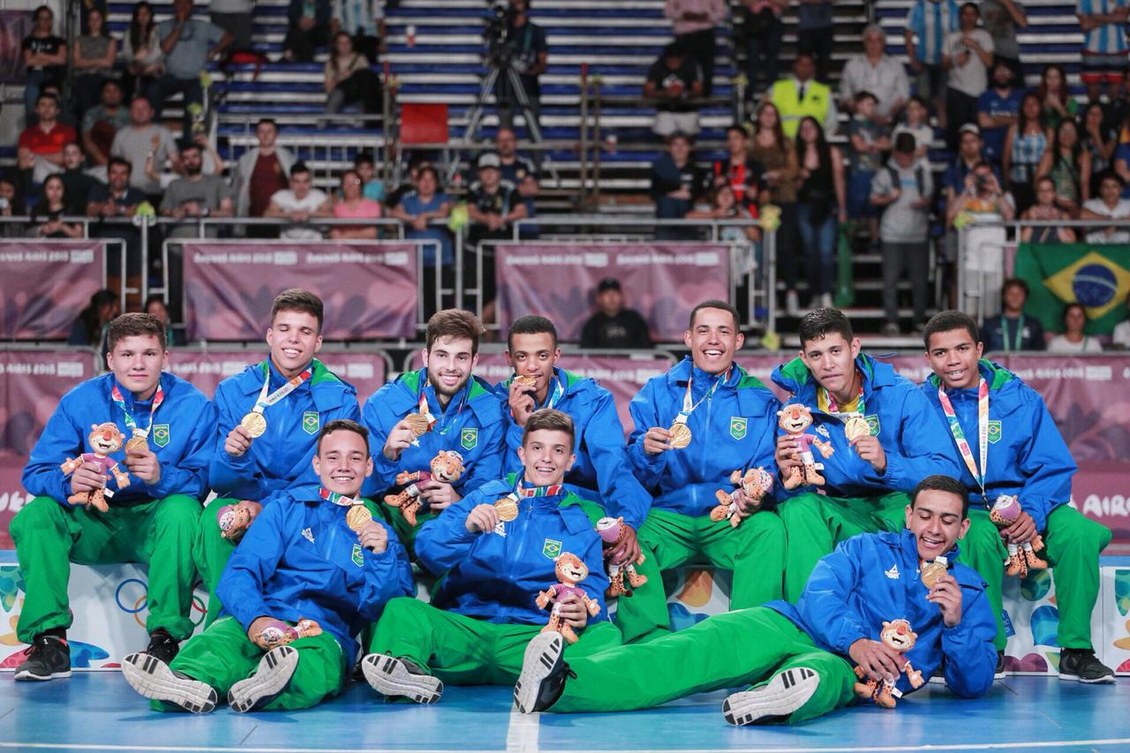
418, 423
254, 423
507, 509
856, 427
526, 381
137, 445
358, 517
680, 435
931, 571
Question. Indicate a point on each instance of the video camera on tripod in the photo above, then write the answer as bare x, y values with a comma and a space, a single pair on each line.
499, 50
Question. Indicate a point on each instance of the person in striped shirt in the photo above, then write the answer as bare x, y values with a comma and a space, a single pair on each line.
1104, 44
927, 25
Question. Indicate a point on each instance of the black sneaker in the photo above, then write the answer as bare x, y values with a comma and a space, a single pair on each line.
162, 646
784, 693
1081, 665
270, 679
999, 673
49, 658
544, 672
400, 678
153, 679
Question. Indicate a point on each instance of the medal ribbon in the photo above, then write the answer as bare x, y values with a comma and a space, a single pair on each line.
339, 499
982, 431
538, 491
424, 410
688, 408
834, 408
131, 424
432, 420
558, 391
265, 400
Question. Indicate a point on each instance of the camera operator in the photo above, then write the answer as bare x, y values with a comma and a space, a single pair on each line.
519, 44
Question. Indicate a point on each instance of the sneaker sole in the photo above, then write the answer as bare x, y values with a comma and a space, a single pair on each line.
784, 694
271, 678
28, 676
390, 677
153, 679
1105, 679
542, 655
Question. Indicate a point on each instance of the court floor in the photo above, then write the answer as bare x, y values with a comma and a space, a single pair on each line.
97, 711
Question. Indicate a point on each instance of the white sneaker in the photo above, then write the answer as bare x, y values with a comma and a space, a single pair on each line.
400, 678
271, 678
792, 303
153, 679
785, 693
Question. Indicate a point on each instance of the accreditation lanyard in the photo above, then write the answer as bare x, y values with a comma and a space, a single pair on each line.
1017, 339
265, 400
982, 431
689, 406
131, 424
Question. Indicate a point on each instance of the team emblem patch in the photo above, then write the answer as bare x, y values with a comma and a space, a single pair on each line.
872, 424
310, 422
161, 434
738, 427
358, 558
551, 549
469, 438
994, 432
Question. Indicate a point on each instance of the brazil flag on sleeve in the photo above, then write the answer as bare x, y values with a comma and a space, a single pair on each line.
1096, 276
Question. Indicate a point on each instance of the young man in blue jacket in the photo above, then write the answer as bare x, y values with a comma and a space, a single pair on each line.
269, 418
1022, 454
694, 426
308, 576
118, 475
876, 437
454, 410
513, 556
803, 660
602, 472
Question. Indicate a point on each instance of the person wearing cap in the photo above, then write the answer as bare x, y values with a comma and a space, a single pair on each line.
675, 84
492, 205
612, 325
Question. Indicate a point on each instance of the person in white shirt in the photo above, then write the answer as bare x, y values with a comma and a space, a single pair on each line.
300, 203
875, 72
1120, 338
1109, 205
967, 55
1073, 340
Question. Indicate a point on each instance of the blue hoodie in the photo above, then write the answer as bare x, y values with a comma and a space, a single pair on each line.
282, 458
734, 429
301, 560
471, 425
181, 438
911, 434
602, 473
496, 578
872, 578
1027, 456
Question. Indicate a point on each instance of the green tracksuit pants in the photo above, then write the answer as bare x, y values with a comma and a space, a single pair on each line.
50, 536
1073, 543
461, 650
223, 655
754, 551
815, 523
211, 553
726, 651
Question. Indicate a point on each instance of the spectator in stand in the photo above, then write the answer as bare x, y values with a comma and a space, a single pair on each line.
348, 78
141, 51
998, 108
917, 124
40, 151
47, 216
1073, 340
45, 58
676, 182
308, 28
1104, 44
117, 200
1055, 97
927, 26
1011, 330
418, 209
188, 44
195, 196
1117, 111
868, 141
903, 190
146, 145
353, 205
1046, 208
95, 53
742, 240
90, 326
967, 55
415, 164
364, 20
816, 34
156, 307
800, 96
763, 30
874, 71
235, 18
675, 83
1068, 164
516, 169
983, 205
372, 187
1024, 147
300, 203
11, 205
744, 175
776, 154
821, 206
100, 124
493, 205
1108, 205
529, 58
1099, 141
694, 22
261, 173
1002, 19
612, 326
76, 180
1120, 338
970, 154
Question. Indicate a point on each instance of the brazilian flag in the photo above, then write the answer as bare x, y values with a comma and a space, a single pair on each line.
1096, 276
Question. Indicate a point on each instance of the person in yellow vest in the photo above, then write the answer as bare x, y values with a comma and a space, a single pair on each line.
801, 95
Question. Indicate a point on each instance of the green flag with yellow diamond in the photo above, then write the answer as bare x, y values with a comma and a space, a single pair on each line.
1096, 276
